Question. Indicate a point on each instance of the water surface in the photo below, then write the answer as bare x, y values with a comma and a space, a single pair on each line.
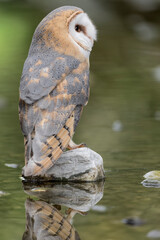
121, 122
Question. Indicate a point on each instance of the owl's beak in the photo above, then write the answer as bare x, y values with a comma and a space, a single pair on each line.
86, 47
89, 49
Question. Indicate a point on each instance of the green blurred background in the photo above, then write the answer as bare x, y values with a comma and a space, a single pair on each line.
121, 120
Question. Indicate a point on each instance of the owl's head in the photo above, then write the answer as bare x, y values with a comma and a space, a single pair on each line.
82, 32
67, 30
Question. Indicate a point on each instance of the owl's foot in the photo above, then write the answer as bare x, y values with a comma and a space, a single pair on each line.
72, 145
70, 213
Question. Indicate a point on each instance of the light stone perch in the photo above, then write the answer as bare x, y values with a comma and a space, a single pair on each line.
78, 165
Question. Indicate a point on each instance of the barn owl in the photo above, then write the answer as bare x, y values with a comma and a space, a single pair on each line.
54, 86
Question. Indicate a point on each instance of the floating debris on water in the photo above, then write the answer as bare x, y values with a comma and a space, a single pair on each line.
152, 175
156, 73
157, 115
117, 126
154, 234
3, 102
11, 165
38, 190
152, 179
99, 208
133, 221
22, 178
3, 193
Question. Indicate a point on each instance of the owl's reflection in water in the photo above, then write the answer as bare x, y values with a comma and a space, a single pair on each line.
46, 220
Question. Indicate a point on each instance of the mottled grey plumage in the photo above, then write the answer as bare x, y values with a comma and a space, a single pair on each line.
33, 94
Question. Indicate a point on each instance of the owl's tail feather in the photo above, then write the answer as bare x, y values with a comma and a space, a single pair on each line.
27, 145
53, 148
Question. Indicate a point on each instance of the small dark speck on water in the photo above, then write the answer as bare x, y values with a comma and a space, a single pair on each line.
133, 221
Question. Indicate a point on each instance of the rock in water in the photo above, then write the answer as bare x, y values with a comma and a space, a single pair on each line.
81, 164
152, 179
154, 234
78, 165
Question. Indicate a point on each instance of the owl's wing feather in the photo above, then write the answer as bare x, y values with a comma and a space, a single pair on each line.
39, 79
53, 131
47, 149
53, 147
40, 76
51, 101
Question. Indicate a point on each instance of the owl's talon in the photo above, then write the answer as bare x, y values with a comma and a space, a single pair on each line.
82, 145
72, 145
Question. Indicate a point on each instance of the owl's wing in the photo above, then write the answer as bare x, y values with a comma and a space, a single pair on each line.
58, 115
51, 118
41, 76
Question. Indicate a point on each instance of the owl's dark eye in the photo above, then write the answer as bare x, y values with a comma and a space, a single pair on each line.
78, 28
